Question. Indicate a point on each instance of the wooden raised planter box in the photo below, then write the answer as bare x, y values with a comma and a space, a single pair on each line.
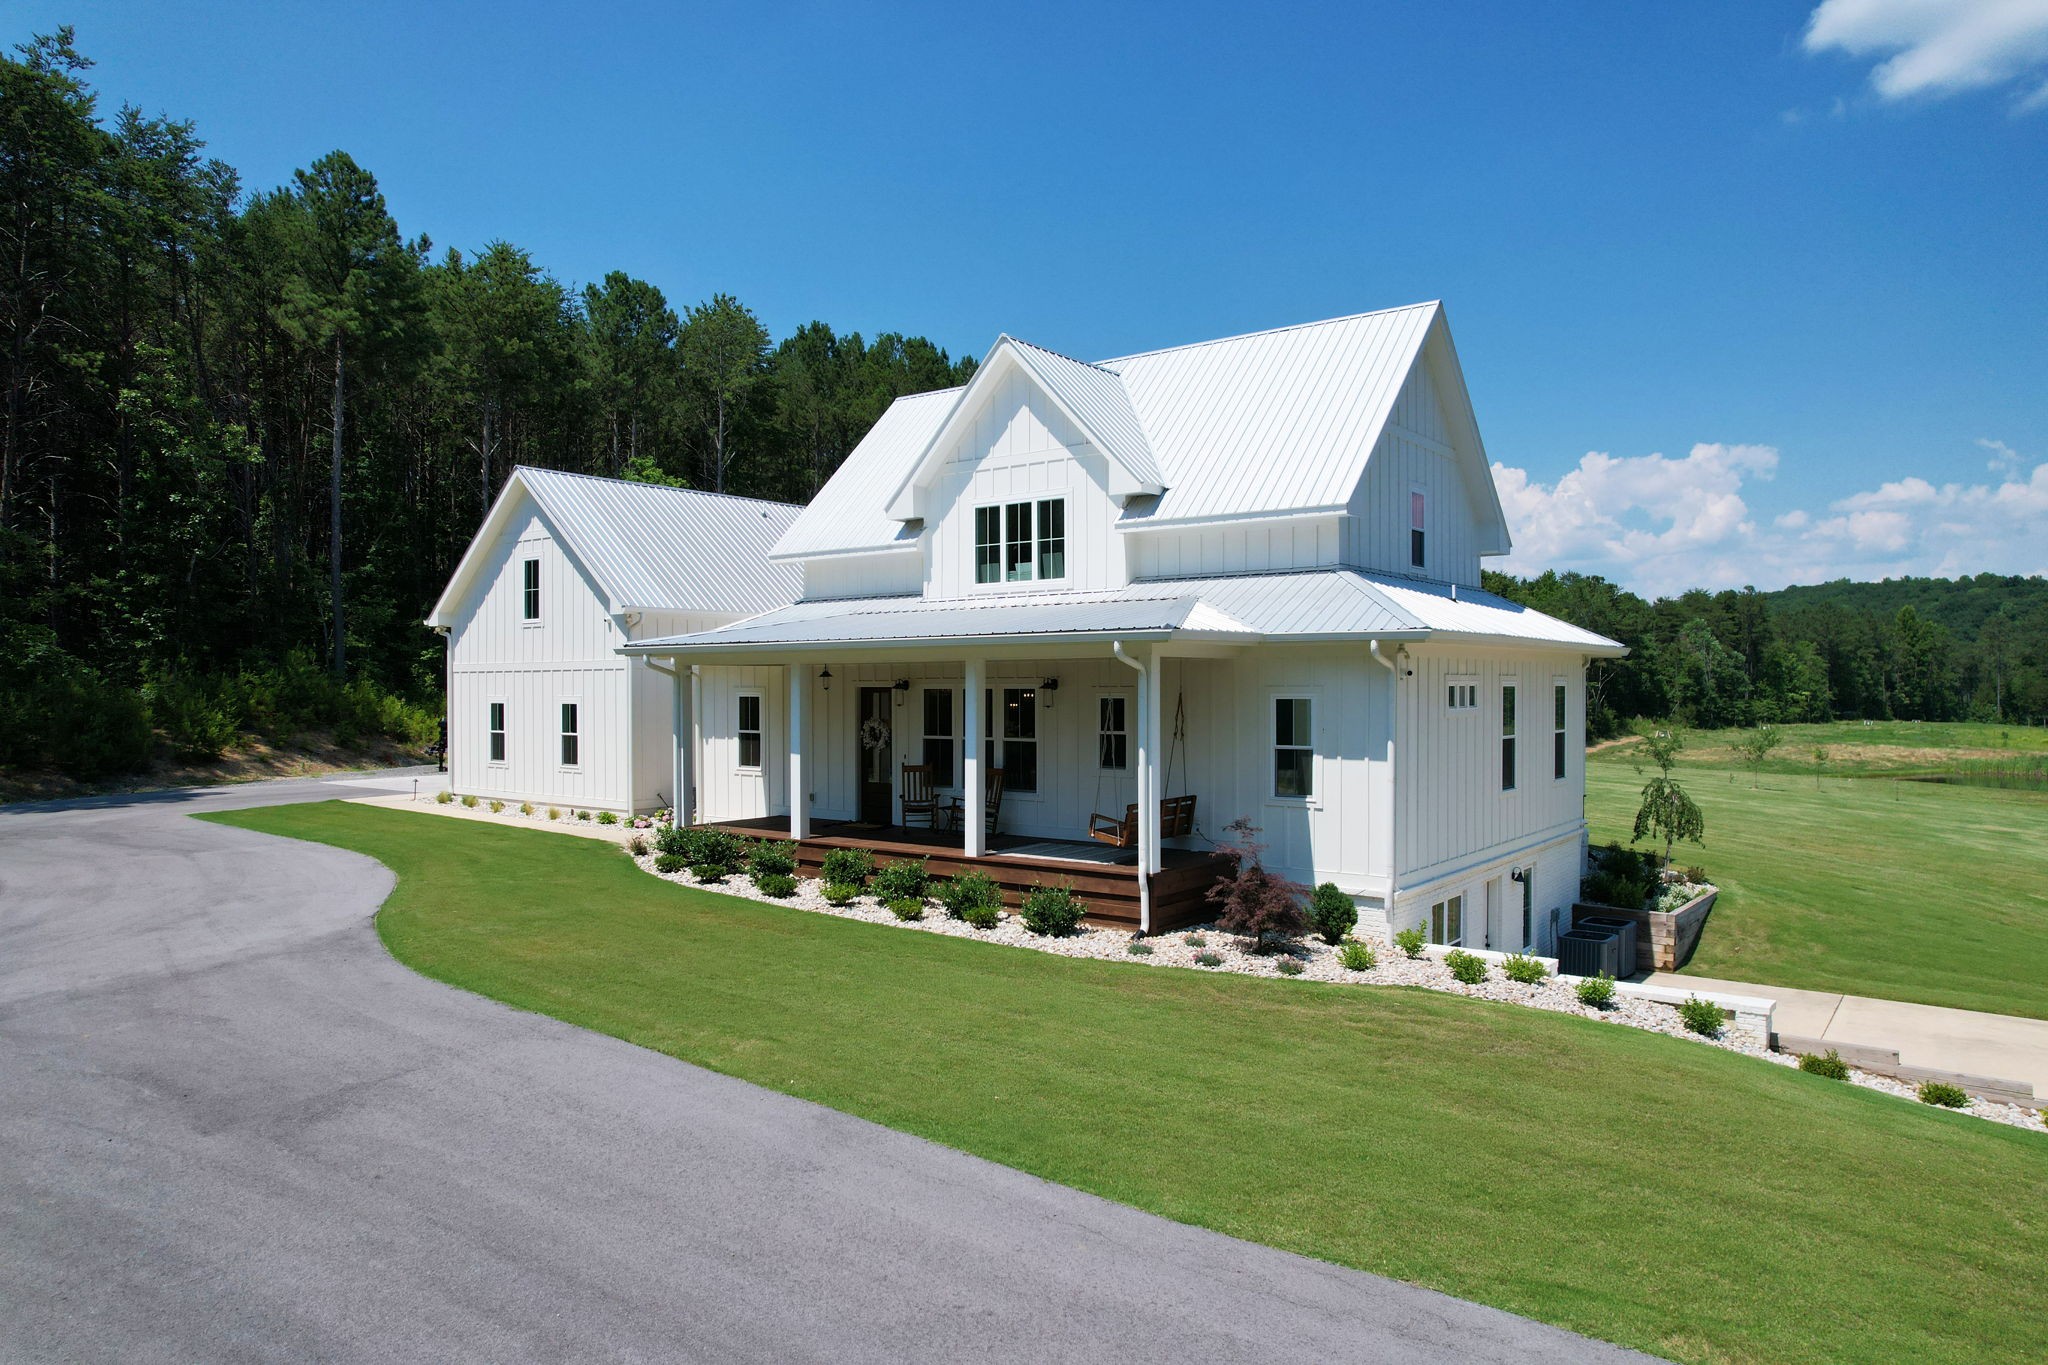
1664, 938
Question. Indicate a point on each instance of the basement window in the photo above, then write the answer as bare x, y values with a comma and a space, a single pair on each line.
1447, 922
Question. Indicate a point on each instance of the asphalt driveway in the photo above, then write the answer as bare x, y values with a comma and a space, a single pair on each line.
233, 1128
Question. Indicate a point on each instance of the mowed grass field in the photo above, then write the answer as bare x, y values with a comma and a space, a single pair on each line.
1844, 879
1688, 1201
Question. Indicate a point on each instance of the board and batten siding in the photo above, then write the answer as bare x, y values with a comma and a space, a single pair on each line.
889, 574
1414, 455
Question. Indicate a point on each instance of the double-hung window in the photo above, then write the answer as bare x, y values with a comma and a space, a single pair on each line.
1294, 758
938, 734
749, 729
1557, 730
1113, 734
1018, 732
529, 603
1418, 507
570, 735
1447, 922
497, 732
1507, 736
1018, 542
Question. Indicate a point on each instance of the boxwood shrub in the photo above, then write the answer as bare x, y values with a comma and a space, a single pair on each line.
970, 890
1331, 913
1052, 910
1946, 1095
903, 880
772, 858
1828, 1064
1703, 1017
1469, 968
778, 884
1596, 991
849, 867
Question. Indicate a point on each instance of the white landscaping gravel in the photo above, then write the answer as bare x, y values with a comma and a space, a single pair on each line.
1319, 963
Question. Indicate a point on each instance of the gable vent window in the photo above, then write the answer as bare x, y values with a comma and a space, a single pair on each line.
570, 735
497, 732
530, 597
1417, 507
1021, 541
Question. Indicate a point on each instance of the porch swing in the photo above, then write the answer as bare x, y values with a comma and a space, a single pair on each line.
1176, 813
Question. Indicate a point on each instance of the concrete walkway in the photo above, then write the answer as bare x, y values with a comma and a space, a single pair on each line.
233, 1128
1997, 1046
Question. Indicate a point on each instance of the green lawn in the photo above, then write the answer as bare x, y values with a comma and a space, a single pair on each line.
1669, 1196
1902, 890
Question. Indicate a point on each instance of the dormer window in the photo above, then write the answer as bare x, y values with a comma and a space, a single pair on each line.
1017, 542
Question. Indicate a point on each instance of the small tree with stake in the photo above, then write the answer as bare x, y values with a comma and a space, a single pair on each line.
1667, 811
1253, 903
1756, 746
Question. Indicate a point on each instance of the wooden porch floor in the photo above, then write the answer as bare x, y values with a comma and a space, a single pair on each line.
1104, 877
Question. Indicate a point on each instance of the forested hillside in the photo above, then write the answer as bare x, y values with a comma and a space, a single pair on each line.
1904, 649
248, 430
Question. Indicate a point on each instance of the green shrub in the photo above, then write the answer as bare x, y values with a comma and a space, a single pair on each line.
1411, 942
1196, 941
605, 817
497, 807
1526, 970
710, 873
1137, 947
1695, 874
198, 720
1052, 910
1946, 1095
57, 711
1331, 913
907, 907
904, 880
697, 845
1289, 966
1829, 1064
1703, 1017
526, 807
582, 815
637, 846
778, 884
1208, 959
1355, 956
1622, 877
849, 867
840, 893
773, 857
981, 916
1469, 968
968, 891
1673, 898
1596, 991
668, 864
444, 798
469, 803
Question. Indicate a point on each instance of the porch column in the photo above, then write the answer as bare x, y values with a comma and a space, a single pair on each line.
799, 798
681, 724
973, 799
1148, 765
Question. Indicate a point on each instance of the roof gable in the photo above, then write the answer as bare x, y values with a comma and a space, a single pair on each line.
643, 546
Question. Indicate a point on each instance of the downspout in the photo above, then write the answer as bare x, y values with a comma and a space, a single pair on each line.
1393, 793
1116, 647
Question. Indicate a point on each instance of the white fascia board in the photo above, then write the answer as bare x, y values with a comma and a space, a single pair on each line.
1610, 649
856, 649
910, 546
1138, 525
1438, 340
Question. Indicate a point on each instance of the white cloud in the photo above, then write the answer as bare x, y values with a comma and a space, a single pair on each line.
1941, 47
1660, 525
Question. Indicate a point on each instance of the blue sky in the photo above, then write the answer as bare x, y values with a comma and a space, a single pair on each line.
1801, 256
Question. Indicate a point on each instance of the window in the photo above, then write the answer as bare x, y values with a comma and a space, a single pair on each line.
530, 607
1462, 694
497, 732
938, 734
1019, 751
1557, 731
1113, 735
1416, 508
750, 729
1507, 737
1293, 752
1052, 538
569, 750
1528, 904
1447, 922
988, 544
1020, 541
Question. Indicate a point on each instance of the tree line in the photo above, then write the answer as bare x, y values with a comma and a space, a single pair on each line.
241, 427
1971, 648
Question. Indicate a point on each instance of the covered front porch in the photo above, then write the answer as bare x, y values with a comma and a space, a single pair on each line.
1103, 876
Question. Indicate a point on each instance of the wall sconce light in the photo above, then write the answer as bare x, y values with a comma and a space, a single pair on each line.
825, 677
1048, 688
902, 690
1520, 874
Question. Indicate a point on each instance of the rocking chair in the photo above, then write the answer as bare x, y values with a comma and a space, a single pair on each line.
991, 803
920, 802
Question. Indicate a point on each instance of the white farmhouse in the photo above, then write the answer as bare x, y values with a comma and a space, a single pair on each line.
1244, 572
564, 570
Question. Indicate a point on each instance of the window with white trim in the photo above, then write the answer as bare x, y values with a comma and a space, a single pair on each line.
1447, 922
1017, 542
1294, 756
571, 737
1019, 735
529, 604
1418, 507
1508, 694
497, 732
1557, 732
749, 730
1461, 693
1112, 733
938, 734
1528, 905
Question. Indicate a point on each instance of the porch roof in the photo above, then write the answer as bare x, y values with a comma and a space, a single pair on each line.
1314, 605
